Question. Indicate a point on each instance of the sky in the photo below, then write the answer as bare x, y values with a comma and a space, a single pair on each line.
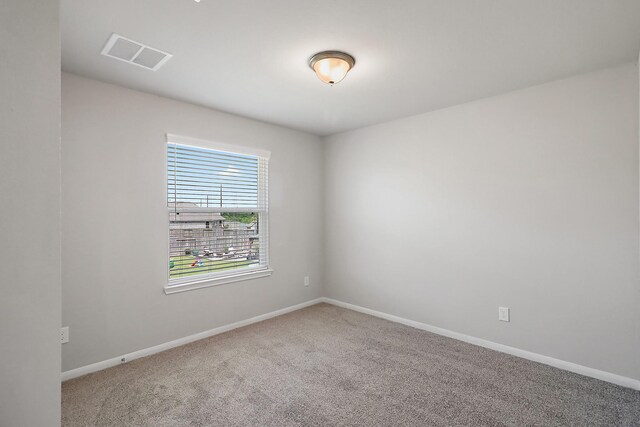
211, 178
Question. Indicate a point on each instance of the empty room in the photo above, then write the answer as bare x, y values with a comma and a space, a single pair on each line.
338, 213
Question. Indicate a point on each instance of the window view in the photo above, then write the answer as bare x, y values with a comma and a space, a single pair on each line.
217, 213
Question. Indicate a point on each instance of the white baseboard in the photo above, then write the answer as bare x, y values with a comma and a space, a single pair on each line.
94, 367
556, 363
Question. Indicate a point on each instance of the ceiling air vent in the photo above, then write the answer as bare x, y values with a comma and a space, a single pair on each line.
136, 53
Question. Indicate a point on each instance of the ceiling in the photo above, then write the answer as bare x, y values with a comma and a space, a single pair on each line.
249, 57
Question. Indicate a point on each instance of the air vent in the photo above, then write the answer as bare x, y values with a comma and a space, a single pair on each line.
136, 53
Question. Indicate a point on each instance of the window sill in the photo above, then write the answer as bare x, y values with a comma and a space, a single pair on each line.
215, 281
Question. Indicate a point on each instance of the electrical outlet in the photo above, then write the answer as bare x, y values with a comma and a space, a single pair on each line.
503, 314
64, 335
306, 280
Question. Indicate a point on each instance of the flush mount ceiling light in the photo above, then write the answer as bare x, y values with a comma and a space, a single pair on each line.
331, 66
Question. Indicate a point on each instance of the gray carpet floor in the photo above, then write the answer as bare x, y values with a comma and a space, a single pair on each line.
327, 366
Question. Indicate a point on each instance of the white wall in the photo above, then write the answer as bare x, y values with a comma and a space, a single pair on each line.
114, 221
527, 200
30, 210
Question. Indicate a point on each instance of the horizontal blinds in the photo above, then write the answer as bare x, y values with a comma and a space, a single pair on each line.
201, 179
218, 221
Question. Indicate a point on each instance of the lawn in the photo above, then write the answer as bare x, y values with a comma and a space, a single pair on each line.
182, 266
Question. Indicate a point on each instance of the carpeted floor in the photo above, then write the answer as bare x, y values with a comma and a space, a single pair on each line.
327, 366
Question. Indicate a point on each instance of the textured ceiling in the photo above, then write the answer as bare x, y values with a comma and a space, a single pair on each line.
413, 56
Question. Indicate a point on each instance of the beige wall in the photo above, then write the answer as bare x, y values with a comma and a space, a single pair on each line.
114, 227
527, 200
30, 209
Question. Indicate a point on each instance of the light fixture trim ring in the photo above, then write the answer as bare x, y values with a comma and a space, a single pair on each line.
332, 54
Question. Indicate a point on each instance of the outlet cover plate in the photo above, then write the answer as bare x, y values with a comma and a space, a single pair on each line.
503, 314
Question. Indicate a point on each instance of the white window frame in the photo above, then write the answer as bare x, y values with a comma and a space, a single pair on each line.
227, 276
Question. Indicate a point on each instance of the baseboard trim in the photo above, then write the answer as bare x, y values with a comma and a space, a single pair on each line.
94, 367
556, 363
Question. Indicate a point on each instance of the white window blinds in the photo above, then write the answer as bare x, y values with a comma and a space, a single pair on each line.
218, 212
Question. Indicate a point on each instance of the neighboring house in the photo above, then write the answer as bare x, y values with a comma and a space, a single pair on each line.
208, 234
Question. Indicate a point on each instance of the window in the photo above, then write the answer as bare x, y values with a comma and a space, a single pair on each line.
218, 213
